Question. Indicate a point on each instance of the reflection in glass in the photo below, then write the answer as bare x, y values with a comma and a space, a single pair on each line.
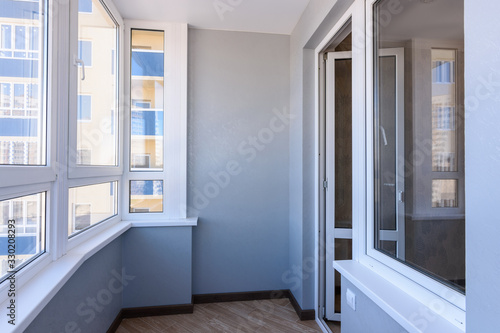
146, 196
147, 100
444, 141
97, 105
444, 193
419, 206
28, 216
91, 204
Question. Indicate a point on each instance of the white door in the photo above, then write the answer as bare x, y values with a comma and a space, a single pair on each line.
338, 171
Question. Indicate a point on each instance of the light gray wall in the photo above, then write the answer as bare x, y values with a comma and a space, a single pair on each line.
368, 317
90, 300
482, 162
316, 21
160, 259
238, 83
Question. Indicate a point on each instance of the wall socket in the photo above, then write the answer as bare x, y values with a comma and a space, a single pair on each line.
351, 298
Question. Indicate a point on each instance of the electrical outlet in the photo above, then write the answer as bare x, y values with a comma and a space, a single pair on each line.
351, 299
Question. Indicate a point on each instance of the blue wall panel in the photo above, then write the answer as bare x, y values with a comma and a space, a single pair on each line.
98, 281
161, 259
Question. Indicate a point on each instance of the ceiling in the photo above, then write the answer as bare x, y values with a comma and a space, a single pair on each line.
267, 16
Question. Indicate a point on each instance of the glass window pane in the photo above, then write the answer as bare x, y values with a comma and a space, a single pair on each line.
97, 42
22, 84
147, 100
29, 242
444, 193
89, 205
6, 42
146, 196
20, 37
419, 211
444, 102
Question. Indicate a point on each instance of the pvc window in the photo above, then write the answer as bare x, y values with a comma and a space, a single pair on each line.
415, 194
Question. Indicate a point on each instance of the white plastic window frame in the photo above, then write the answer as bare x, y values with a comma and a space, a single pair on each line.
174, 174
448, 302
21, 180
84, 171
78, 176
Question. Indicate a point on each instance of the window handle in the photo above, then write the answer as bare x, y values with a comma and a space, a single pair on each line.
82, 63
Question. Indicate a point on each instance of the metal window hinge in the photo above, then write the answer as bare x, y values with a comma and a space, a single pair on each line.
325, 56
325, 184
322, 312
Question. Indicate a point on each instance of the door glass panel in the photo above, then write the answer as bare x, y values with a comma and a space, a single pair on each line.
386, 145
97, 106
343, 143
343, 251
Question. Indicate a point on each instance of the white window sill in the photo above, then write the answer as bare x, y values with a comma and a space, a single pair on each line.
181, 222
400, 306
35, 294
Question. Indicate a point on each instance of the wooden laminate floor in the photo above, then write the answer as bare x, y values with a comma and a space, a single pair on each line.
276, 315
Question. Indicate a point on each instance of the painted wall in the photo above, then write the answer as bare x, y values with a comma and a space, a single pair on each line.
91, 299
368, 317
316, 21
238, 161
160, 259
482, 161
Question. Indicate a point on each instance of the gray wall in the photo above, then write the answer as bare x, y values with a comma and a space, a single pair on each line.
482, 160
160, 259
368, 317
96, 281
238, 83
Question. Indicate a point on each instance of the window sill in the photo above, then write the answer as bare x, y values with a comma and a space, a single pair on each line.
180, 222
35, 294
400, 306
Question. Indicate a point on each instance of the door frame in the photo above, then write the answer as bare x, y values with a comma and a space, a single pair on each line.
357, 29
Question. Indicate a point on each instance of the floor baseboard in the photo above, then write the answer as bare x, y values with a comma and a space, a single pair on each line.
164, 310
240, 296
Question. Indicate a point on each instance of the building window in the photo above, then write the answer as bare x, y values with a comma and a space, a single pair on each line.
84, 107
85, 52
85, 6
418, 141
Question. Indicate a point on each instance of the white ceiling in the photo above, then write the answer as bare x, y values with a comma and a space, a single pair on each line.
268, 16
